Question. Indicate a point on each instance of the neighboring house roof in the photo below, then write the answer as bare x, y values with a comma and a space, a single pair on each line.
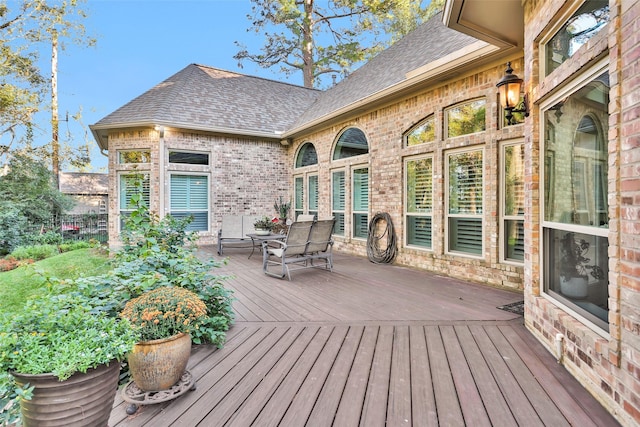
84, 183
210, 99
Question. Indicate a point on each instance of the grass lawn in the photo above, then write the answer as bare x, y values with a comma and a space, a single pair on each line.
16, 286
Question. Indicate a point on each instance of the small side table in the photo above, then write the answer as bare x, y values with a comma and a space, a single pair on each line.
257, 239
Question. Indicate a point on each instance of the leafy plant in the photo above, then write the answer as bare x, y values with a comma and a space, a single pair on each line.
35, 252
164, 312
264, 223
282, 208
58, 334
573, 260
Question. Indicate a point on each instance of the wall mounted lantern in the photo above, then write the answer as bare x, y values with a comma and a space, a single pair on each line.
509, 88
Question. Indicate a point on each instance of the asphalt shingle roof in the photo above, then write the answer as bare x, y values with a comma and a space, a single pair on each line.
206, 98
209, 98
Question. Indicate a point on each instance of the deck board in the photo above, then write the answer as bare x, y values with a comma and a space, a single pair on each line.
370, 345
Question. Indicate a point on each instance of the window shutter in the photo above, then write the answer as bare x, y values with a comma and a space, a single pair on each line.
361, 190
313, 193
338, 191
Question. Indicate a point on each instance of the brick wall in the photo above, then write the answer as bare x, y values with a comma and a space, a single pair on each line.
607, 364
384, 128
246, 176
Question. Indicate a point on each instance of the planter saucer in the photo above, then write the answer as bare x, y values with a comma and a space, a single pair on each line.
132, 394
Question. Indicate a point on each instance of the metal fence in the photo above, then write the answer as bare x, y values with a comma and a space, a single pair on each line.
76, 227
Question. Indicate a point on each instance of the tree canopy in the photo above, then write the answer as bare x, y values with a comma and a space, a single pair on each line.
328, 37
25, 29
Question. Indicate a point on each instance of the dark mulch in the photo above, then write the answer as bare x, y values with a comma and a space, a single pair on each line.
514, 307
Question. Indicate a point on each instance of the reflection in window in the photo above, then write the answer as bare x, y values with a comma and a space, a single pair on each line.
464, 203
419, 203
576, 221
466, 118
188, 158
584, 24
423, 132
576, 167
307, 156
352, 142
513, 203
141, 156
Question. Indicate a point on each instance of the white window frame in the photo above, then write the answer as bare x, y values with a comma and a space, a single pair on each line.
353, 208
120, 175
345, 202
504, 217
448, 216
408, 214
564, 92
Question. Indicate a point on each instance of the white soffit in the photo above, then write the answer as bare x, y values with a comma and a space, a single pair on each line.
499, 22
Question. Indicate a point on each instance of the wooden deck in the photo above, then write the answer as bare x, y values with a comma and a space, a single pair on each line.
371, 345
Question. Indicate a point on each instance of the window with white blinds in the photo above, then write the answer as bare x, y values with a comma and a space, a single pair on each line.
360, 209
512, 194
131, 184
190, 197
419, 201
298, 207
313, 195
465, 202
338, 198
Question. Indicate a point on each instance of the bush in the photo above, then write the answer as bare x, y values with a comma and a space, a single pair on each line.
72, 246
12, 224
35, 252
48, 238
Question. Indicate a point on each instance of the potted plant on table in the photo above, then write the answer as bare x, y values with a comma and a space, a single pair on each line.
63, 359
575, 268
164, 318
264, 225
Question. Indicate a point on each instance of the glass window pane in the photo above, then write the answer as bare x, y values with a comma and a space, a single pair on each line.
419, 231
313, 193
576, 156
338, 198
514, 240
298, 200
360, 225
420, 185
361, 190
466, 118
514, 180
592, 16
307, 156
190, 196
424, 132
188, 158
465, 235
129, 185
143, 156
577, 271
352, 142
465, 183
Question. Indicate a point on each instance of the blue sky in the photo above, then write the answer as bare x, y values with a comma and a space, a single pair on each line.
139, 44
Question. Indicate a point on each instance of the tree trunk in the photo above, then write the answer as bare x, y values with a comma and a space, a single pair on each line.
55, 145
307, 47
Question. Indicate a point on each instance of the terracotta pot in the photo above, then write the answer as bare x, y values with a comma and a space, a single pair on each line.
81, 400
158, 365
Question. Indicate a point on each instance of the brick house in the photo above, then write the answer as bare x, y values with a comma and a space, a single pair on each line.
419, 133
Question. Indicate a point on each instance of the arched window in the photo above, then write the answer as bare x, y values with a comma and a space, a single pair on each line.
307, 155
352, 142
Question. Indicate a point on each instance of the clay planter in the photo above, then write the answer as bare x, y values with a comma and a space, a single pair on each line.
79, 401
157, 365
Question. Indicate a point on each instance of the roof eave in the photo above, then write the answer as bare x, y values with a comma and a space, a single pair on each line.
101, 132
431, 72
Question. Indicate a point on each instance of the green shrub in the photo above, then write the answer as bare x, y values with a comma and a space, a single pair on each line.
35, 252
72, 246
48, 238
12, 224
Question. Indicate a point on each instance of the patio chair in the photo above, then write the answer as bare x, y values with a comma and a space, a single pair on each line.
281, 254
320, 243
304, 217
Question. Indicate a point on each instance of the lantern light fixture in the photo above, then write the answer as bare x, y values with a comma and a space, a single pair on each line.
509, 89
